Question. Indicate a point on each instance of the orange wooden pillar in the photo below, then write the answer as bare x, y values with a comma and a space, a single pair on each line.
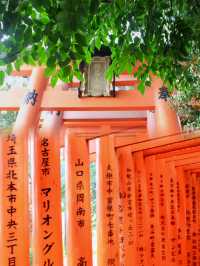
153, 230
166, 119
29, 112
188, 210
14, 213
79, 236
181, 217
127, 209
107, 203
198, 213
14, 218
9, 223
168, 211
194, 219
47, 223
163, 213
171, 182
141, 210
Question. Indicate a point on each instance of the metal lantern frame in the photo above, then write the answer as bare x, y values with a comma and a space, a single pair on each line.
95, 83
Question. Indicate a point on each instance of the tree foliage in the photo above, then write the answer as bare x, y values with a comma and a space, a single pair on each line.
7, 119
164, 35
183, 103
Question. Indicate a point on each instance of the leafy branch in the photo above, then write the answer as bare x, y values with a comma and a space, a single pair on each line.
163, 35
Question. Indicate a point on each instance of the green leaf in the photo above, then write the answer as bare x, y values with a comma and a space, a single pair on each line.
2, 76
54, 80
64, 72
2, 63
28, 59
79, 75
129, 67
141, 87
109, 73
9, 69
64, 56
51, 61
44, 18
18, 64
88, 57
49, 71
94, 6
3, 48
122, 67
42, 54
81, 39
98, 43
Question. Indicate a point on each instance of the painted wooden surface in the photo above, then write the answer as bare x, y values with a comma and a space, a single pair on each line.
14, 220
79, 238
107, 203
47, 227
127, 208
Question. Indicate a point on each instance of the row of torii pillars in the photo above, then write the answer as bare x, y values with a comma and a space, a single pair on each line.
46, 237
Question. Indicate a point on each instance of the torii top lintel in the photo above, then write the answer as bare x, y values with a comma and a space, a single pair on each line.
60, 99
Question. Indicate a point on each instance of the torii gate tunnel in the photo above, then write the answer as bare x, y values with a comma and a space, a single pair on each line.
147, 181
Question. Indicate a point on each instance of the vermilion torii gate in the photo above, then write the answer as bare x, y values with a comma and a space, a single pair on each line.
147, 179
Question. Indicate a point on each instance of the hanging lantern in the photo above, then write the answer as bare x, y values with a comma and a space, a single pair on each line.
95, 83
